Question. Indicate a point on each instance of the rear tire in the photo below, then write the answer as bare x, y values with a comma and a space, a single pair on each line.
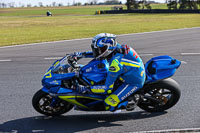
166, 93
42, 103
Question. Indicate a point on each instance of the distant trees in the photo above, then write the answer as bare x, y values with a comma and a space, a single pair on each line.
11, 4
95, 2
60, 4
189, 4
112, 2
5, 5
54, 3
183, 4
78, 4
133, 4
106, 2
172, 4
40, 4
146, 4
28, 5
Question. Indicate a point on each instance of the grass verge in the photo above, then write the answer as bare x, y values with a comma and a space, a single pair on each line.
41, 11
71, 10
30, 29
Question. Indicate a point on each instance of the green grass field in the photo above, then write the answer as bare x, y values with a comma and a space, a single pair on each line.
73, 10
41, 11
28, 25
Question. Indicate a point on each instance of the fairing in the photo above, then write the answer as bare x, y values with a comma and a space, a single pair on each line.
95, 71
161, 67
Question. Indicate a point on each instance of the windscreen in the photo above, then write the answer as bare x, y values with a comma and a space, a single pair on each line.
62, 66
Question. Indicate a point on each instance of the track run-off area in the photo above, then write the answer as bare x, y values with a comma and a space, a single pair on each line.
23, 66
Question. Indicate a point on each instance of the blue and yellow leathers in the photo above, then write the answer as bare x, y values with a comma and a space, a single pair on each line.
127, 66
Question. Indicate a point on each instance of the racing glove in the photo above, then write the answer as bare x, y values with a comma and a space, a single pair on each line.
72, 59
78, 55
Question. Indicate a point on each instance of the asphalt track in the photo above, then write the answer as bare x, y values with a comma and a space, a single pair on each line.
22, 67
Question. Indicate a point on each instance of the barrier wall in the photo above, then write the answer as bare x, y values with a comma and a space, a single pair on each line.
148, 11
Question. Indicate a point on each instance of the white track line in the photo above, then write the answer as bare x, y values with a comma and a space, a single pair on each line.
190, 53
52, 58
40, 43
91, 38
5, 60
145, 54
159, 31
183, 62
36, 131
171, 130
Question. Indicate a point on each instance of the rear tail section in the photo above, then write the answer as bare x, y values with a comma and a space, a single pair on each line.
161, 67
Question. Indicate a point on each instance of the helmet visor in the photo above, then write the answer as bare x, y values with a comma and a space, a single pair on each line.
98, 51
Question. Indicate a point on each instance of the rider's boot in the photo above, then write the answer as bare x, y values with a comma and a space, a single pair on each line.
110, 108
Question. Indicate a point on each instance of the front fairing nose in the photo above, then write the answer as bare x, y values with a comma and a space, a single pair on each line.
51, 83
49, 79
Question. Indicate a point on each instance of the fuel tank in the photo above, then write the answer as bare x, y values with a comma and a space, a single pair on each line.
95, 71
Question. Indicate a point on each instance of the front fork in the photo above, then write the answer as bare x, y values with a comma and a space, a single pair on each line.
55, 99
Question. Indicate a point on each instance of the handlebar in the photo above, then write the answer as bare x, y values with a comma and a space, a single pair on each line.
73, 58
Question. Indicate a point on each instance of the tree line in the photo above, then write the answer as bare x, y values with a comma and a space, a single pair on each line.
171, 4
53, 4
40, 4
135, 4
183, 4
131, 4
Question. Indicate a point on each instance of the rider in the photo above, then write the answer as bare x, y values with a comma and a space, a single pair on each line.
124, 63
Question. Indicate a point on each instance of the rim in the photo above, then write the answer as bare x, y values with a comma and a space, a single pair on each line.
157, 97
45, 105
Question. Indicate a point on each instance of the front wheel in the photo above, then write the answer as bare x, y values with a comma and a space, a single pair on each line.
160, 96
46, 104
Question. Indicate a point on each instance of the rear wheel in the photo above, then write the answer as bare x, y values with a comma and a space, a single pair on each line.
42, 103
160, 96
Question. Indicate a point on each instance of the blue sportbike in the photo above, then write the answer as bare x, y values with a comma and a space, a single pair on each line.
61, 83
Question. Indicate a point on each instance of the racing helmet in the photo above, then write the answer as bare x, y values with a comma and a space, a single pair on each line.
103, 44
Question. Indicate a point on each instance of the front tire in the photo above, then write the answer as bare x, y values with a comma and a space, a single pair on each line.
42, 103
160, 96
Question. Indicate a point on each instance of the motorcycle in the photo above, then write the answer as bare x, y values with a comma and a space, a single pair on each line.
60, 92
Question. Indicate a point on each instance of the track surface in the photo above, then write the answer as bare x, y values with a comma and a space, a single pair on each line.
21, 70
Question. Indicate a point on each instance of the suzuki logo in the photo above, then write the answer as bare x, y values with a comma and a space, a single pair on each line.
129, 93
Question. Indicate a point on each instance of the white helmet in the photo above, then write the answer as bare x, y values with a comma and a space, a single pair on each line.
103, 44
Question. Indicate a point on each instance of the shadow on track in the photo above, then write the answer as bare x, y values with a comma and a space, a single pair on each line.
71, 123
